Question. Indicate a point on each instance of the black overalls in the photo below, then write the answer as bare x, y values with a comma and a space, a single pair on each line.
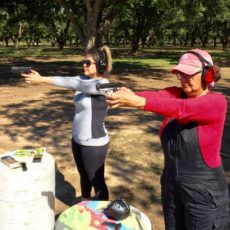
194, 196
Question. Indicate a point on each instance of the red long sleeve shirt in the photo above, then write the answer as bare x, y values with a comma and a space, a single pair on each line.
209, 111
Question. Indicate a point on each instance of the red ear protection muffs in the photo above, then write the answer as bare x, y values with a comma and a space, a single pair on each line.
101, 63
210, 72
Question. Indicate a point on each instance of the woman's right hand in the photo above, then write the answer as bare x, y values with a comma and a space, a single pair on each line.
33, 77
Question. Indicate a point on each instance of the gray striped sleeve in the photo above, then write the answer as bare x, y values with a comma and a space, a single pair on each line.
79, 83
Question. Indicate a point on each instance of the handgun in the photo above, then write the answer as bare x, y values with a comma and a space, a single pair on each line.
21, 69
108, 87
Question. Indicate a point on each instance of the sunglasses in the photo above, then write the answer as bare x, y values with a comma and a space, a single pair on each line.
88, 63
181, 76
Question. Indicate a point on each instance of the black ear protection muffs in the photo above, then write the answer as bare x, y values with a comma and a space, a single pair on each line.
101, 62
210, 72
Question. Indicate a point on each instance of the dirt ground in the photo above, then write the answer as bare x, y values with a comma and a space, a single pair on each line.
35, 116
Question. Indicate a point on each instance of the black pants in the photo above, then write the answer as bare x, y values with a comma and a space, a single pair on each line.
194, 204
90, 161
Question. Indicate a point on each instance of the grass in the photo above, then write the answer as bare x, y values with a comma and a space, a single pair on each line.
158, 63
158, 58
25, 52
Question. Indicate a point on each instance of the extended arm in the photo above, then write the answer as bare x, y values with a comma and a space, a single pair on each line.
81, 84
35, 78
169, 104
125, 97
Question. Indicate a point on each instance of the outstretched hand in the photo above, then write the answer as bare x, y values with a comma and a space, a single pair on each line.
33, 77
124, 97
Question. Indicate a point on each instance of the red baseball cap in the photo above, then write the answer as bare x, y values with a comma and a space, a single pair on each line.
190, 64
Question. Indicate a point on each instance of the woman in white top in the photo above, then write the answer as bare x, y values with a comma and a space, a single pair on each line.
89, 137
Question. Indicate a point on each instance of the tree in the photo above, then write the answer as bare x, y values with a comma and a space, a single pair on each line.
15, 21
88, 20
142, 21
84, 26
221, 25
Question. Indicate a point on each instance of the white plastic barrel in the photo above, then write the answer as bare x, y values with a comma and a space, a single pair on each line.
27, 197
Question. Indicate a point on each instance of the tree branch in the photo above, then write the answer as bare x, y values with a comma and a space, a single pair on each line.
73, 18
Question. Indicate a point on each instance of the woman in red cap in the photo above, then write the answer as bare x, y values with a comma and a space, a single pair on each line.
194, 187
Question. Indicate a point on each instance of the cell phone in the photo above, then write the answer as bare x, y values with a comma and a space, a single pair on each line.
10, 162
21, 69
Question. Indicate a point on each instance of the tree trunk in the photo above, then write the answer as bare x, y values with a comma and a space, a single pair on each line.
214, 42
93, 8
225, 35
135, 44
62, 37
6, 42
93, 11
73, 19
18, 35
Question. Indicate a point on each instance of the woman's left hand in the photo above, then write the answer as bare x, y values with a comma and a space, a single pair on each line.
33, 77
124, 97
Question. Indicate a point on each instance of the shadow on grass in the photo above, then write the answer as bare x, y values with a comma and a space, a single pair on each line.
56, 68
135, 188
48, 124
64, 190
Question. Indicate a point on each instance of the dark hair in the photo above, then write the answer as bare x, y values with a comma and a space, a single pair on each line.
102, 57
